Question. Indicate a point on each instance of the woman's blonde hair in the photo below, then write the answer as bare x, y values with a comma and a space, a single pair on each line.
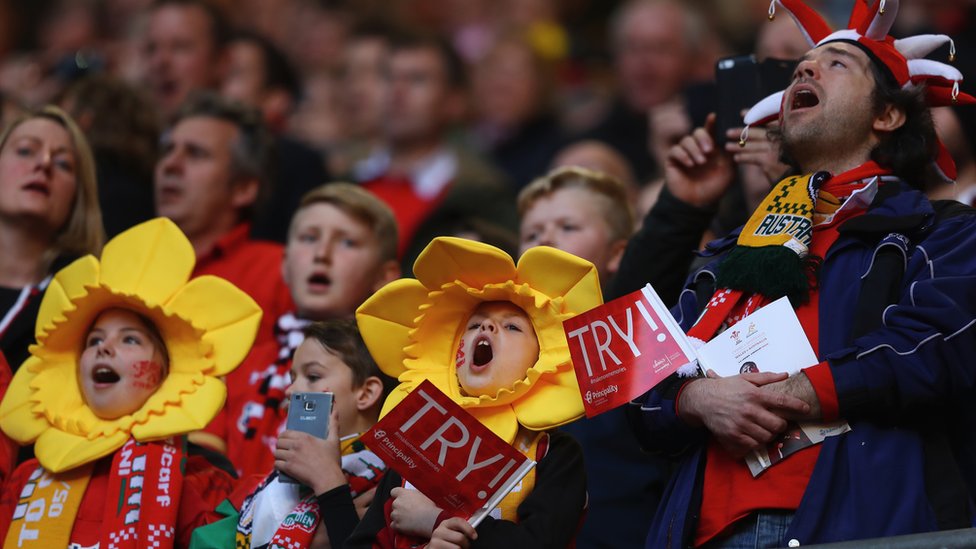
82, 233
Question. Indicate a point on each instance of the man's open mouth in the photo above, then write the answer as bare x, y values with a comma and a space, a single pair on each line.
803, 99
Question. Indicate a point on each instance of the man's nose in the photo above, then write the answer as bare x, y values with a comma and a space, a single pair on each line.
171, 162
808, 68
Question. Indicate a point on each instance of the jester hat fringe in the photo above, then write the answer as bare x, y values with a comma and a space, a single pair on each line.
902, 59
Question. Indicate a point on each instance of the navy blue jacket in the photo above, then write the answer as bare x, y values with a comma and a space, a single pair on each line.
906, 387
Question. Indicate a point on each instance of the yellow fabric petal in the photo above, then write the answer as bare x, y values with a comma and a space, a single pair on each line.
17, 419
66, 286
557, 273
59, 451
151, 260
193, 413
552, 401
227, 315
447, 259
385, 321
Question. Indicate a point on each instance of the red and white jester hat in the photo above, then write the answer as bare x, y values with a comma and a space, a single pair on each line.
902, 59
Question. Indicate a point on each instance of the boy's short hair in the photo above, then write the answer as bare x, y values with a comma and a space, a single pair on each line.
618, 212
341, 337
362, 205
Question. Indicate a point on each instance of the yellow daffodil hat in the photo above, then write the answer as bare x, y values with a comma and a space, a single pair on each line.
412, 327
207, 324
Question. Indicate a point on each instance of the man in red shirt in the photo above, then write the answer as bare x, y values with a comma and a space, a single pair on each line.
432, 185
210, 176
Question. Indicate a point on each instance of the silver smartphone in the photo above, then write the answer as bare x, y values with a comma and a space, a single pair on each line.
308, 413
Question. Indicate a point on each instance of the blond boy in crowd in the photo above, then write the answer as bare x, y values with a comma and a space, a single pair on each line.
580, 211
341, 248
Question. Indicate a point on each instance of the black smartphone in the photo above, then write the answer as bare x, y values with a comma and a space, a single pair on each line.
741, 82
308, 413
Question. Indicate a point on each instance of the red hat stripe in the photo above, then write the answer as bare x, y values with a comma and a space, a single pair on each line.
859, 13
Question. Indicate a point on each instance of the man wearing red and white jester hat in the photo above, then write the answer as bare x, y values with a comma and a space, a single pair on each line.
881, 280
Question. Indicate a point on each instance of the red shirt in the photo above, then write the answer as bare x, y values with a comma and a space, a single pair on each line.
730, 492
254, 267
409, 208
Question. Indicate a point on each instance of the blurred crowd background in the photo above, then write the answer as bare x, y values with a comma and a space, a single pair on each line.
621, 80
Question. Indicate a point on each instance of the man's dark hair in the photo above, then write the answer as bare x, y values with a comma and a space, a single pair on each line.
278, 70
219, 27
910, 150
341, 337
251, 152
454, 68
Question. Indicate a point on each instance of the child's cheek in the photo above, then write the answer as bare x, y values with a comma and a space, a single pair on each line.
147, 374
459, 359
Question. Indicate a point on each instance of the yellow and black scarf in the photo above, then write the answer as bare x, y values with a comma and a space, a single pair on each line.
771, 255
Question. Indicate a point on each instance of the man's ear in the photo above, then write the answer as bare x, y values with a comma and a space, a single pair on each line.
890, 119
617, 249
388, 272
369, 394
244, 193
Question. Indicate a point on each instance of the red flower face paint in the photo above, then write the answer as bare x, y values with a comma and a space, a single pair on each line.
459, 359
147, 374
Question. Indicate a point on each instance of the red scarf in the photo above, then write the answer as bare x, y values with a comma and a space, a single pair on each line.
144, 495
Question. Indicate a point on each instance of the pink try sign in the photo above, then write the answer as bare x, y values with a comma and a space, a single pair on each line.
623, 348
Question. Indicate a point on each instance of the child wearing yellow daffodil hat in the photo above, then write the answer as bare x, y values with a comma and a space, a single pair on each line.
127, 360
489, 335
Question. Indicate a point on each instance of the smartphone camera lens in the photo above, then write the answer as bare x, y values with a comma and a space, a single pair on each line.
309, 406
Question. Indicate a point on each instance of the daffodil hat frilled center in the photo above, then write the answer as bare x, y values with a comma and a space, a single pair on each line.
206, 323
412, 327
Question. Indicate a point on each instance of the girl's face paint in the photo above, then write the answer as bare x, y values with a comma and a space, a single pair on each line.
459, 358
147, 374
